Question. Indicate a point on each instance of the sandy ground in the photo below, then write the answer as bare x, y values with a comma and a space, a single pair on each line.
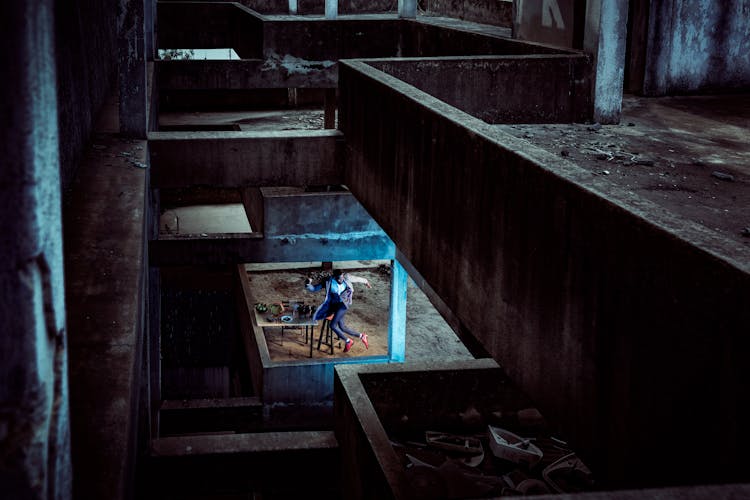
428, 336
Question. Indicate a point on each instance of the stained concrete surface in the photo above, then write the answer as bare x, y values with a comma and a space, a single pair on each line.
265, 120
204, 219
688, 155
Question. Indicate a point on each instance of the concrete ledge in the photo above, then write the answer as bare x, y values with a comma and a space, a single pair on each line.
373, 470
599, 307
239, 159
245, 74
243, 443
105, 305
553, 88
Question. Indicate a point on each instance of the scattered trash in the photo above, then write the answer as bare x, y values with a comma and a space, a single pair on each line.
595, 127
138, 164
722, 176
746, 232
565, 152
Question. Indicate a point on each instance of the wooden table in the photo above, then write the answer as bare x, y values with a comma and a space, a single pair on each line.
261, 319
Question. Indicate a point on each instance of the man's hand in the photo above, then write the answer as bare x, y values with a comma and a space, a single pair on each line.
367, 284
308, 281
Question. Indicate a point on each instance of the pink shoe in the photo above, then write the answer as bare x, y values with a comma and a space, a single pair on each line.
348, 345
363, 337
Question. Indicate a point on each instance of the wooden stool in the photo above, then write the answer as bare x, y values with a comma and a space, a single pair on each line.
325, 328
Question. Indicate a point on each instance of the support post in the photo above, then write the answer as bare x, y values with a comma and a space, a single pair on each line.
332, 9
329, 109
132, 72
605, 38
293, 7
407, 9
397, 320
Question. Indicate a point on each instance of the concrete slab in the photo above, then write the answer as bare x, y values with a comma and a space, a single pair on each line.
237, 159
204, 219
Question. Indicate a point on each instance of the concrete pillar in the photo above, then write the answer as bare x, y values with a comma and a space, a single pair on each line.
329, 109
292, 7
332, 9
605, 38
149, 20
407, 9
132, 72
397, 320
34, 411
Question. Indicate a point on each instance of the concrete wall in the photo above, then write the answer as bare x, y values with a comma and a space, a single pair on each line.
239, 75
297, 227
602, 317
496, 12
34, 411
310, 7
85, 42
206, 25
528, 89
697, 46
237, 159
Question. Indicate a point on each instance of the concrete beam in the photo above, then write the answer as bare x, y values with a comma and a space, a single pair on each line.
260, 442
132, 72
245, 74
238, 159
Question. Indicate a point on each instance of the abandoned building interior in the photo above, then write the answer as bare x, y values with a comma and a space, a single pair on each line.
548, 200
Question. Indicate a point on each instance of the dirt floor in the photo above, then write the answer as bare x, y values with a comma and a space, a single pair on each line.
688, 155
428, 336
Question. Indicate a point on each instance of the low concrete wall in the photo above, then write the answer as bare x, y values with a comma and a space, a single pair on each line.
245, 74
237, 159
209, 25
496, 12
512, 89
320, 40
287, 388
372, 469
298, 227
626, 325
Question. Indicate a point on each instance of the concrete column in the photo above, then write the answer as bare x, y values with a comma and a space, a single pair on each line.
293, 7
149, 20
34, 411
329, 109
397, 320
605, 37
332, 9
407, 9
132, 72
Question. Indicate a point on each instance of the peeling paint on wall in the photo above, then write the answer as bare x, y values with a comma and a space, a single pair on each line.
698, 46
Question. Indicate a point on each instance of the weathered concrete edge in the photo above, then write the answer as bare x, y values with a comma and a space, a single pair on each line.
233, 135
704, 239
94, 354
350, 396
243, 443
